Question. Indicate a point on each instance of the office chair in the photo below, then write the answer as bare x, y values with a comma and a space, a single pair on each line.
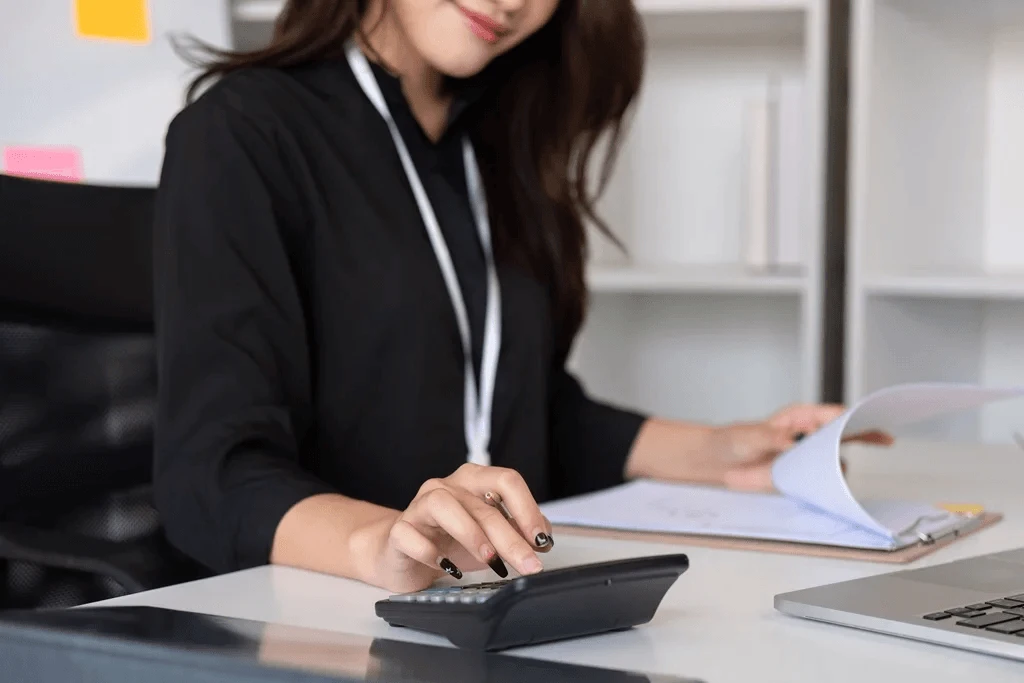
77, 393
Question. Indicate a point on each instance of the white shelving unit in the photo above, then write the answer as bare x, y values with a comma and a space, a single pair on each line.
680, 326
936, 261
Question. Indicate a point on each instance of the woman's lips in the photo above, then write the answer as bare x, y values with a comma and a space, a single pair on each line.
483, 26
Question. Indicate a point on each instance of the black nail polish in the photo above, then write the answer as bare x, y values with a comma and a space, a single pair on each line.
499, 567
800, 436
450, 567
543, 540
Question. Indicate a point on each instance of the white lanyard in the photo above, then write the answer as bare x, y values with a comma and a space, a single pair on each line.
477, 413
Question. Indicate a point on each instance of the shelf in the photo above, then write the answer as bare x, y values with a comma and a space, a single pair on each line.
704, 279
258, 10
983, 14
718, 6
936, 250
949, 285
687, 357
936, 166
267, 10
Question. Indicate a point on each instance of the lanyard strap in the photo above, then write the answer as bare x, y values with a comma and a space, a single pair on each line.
477, 410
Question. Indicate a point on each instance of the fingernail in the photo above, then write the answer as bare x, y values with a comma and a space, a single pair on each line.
450, 568
499, 567
533, 565
542, 540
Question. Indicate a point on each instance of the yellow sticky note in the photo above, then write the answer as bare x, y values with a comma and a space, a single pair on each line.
963, 508
120, 20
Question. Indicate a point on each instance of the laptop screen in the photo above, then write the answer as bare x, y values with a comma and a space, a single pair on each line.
160, 644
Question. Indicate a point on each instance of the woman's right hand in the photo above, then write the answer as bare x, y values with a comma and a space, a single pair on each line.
449, 526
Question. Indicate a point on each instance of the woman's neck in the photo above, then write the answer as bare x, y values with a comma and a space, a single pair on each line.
422, 84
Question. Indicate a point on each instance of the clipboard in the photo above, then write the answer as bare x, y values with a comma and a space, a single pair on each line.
904, 555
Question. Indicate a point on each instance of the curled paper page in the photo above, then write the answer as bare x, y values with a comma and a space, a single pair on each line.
811, 473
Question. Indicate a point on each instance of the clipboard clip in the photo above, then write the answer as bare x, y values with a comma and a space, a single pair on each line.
968, 523
922, 536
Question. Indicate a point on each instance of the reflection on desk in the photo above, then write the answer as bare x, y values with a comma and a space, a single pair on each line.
111, 643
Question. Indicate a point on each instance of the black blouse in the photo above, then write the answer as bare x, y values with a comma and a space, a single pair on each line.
306, 341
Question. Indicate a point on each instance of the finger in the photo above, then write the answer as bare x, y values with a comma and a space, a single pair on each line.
874, 437
764, 443
548, 529
441, 509
828, 411
519, 501
508, 540
754, 479
807, 417
408, 540
512, 491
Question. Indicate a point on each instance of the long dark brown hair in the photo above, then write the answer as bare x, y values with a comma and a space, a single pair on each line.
556, 99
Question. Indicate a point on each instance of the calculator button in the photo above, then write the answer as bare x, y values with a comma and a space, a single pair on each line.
402, 598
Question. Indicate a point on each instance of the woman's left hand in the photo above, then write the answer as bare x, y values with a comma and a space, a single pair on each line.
747, 450
738, 455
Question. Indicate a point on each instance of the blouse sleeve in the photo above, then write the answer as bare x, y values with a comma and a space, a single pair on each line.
590, 440
233, 362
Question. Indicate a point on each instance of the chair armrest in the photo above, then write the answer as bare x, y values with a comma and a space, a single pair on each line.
129, 565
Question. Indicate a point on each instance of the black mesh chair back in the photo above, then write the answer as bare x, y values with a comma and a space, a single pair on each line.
77, 392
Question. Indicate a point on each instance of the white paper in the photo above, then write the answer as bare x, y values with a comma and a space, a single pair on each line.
810, 472
684, 509
815, 504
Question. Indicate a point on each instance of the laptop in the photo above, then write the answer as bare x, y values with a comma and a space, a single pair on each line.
974, 604
159, 645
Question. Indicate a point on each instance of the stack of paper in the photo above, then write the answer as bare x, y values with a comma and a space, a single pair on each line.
815, 504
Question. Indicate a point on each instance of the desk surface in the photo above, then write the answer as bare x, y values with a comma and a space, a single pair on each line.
717, 623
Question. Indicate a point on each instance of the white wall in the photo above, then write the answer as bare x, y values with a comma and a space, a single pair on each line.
111, 100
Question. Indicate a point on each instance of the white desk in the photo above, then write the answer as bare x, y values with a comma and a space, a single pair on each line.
717, 623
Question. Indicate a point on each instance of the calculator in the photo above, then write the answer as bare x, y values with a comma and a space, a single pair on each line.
553, 605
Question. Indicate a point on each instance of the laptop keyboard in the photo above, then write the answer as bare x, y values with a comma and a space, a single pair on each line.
1005, 615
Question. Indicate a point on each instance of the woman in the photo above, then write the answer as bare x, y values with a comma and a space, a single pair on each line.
369, 273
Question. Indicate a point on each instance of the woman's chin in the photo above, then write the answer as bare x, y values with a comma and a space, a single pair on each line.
465, 62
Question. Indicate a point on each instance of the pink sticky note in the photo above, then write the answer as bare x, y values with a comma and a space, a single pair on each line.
44, 163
